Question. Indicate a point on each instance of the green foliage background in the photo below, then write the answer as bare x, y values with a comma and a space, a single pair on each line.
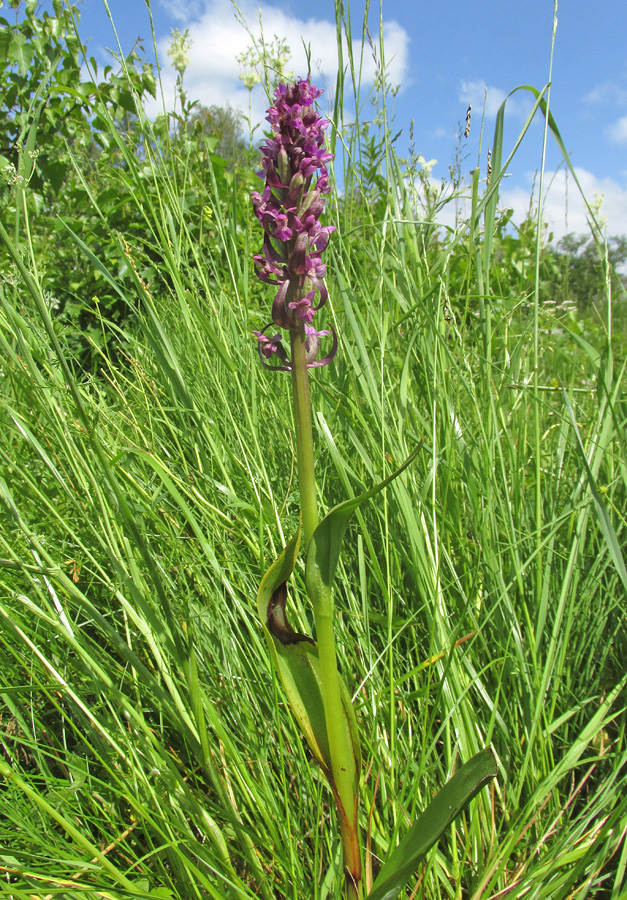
147, 480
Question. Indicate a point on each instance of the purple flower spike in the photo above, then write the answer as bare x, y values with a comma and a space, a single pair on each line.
289, 209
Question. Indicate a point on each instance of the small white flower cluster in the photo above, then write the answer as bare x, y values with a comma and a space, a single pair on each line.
9, 173
274, 56
51, 301
250, 79
179, 48
426, 164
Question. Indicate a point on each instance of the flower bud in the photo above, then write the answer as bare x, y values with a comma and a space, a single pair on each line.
284, 166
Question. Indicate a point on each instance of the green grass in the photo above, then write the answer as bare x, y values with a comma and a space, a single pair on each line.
146, 747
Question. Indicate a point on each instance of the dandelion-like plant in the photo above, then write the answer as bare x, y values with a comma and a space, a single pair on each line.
290, 209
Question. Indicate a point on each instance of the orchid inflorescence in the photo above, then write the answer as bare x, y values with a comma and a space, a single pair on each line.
289, 210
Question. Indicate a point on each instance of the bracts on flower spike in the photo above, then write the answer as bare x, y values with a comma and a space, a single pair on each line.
289, 211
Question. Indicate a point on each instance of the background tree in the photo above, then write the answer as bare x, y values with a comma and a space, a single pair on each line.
227, 125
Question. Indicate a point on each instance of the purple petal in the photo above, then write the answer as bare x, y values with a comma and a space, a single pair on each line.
303, 310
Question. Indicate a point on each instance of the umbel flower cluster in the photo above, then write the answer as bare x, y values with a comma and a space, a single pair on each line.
294, 166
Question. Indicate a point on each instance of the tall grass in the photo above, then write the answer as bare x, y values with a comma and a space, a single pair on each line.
146, 747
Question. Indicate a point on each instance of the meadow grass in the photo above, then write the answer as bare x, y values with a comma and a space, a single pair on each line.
147, 747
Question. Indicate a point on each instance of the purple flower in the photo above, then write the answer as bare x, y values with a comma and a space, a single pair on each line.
268, 347
289, 209
303, 310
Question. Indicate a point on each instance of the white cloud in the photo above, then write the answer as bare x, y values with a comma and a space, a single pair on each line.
478, 93
212, 76
183, 10
563, 205
608, 93
396, 42
617, 131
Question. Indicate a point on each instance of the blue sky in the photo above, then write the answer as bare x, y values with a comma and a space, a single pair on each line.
443, 55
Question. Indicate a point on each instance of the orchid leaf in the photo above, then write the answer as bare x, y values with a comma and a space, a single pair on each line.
277, 574
324, 549
294, 655
404, 859
322, 559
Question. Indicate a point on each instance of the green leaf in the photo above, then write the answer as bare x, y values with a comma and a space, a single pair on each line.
21, 52
324, 549
295, 656
5, 43
403, 861
322, 558
277, 574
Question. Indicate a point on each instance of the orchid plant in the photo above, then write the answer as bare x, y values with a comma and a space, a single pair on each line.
294, 160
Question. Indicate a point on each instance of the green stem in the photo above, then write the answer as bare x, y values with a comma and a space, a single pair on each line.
340, 744
345, 776
304, 435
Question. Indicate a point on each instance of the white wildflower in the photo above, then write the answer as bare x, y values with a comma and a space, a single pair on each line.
179, 48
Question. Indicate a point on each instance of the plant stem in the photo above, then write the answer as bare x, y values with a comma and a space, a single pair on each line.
340, 744
304, 435
345, 776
